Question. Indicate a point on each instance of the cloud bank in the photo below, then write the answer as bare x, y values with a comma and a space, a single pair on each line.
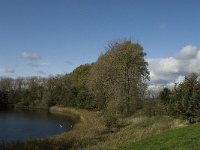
169, 70
7, 70
30, 56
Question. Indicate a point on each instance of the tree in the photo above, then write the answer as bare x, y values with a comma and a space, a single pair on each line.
185, 100
118, 79
165, 95
80, 78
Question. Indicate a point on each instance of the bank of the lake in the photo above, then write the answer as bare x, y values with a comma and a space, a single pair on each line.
87, 128
89, 131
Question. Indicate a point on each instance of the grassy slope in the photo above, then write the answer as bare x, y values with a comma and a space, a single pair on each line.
187, 138
137, 128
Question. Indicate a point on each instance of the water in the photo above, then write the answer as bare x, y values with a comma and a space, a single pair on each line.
16, 126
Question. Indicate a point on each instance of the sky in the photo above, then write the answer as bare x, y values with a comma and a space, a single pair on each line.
49, 37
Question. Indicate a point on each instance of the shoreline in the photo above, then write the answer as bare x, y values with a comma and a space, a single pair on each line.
89, 131
87, 127
69, 113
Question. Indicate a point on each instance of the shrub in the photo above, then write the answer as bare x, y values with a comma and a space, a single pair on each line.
153, 108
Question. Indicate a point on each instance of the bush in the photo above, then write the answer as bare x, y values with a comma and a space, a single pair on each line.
111, 119
154, 108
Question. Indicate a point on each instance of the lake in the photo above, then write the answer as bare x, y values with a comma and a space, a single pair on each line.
23, 125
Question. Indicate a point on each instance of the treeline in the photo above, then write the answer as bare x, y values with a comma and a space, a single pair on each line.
115, 83
181, 101
37, 92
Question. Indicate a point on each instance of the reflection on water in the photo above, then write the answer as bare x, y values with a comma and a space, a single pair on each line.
27, 125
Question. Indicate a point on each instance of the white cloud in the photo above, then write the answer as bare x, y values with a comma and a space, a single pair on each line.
167, 65
9, 70
167, 71
30, 56
188, 52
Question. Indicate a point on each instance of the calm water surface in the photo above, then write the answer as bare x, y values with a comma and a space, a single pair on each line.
28, 125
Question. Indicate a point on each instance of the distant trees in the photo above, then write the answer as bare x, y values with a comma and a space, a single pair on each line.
165, 95
118, 79
5, 87
3, 100
36, 92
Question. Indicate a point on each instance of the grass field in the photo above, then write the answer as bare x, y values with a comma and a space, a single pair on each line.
187, 138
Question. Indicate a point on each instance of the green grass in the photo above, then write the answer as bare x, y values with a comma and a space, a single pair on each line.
187, 138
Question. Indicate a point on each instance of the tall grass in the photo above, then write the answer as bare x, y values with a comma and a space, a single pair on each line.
87, 129
137, 128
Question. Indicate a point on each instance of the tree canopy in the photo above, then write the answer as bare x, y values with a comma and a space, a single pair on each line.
118, 79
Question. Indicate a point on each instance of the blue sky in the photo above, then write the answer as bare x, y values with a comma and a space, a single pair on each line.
43, 37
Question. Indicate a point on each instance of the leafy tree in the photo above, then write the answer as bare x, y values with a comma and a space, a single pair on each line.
118, 79
80, 78
185, 99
